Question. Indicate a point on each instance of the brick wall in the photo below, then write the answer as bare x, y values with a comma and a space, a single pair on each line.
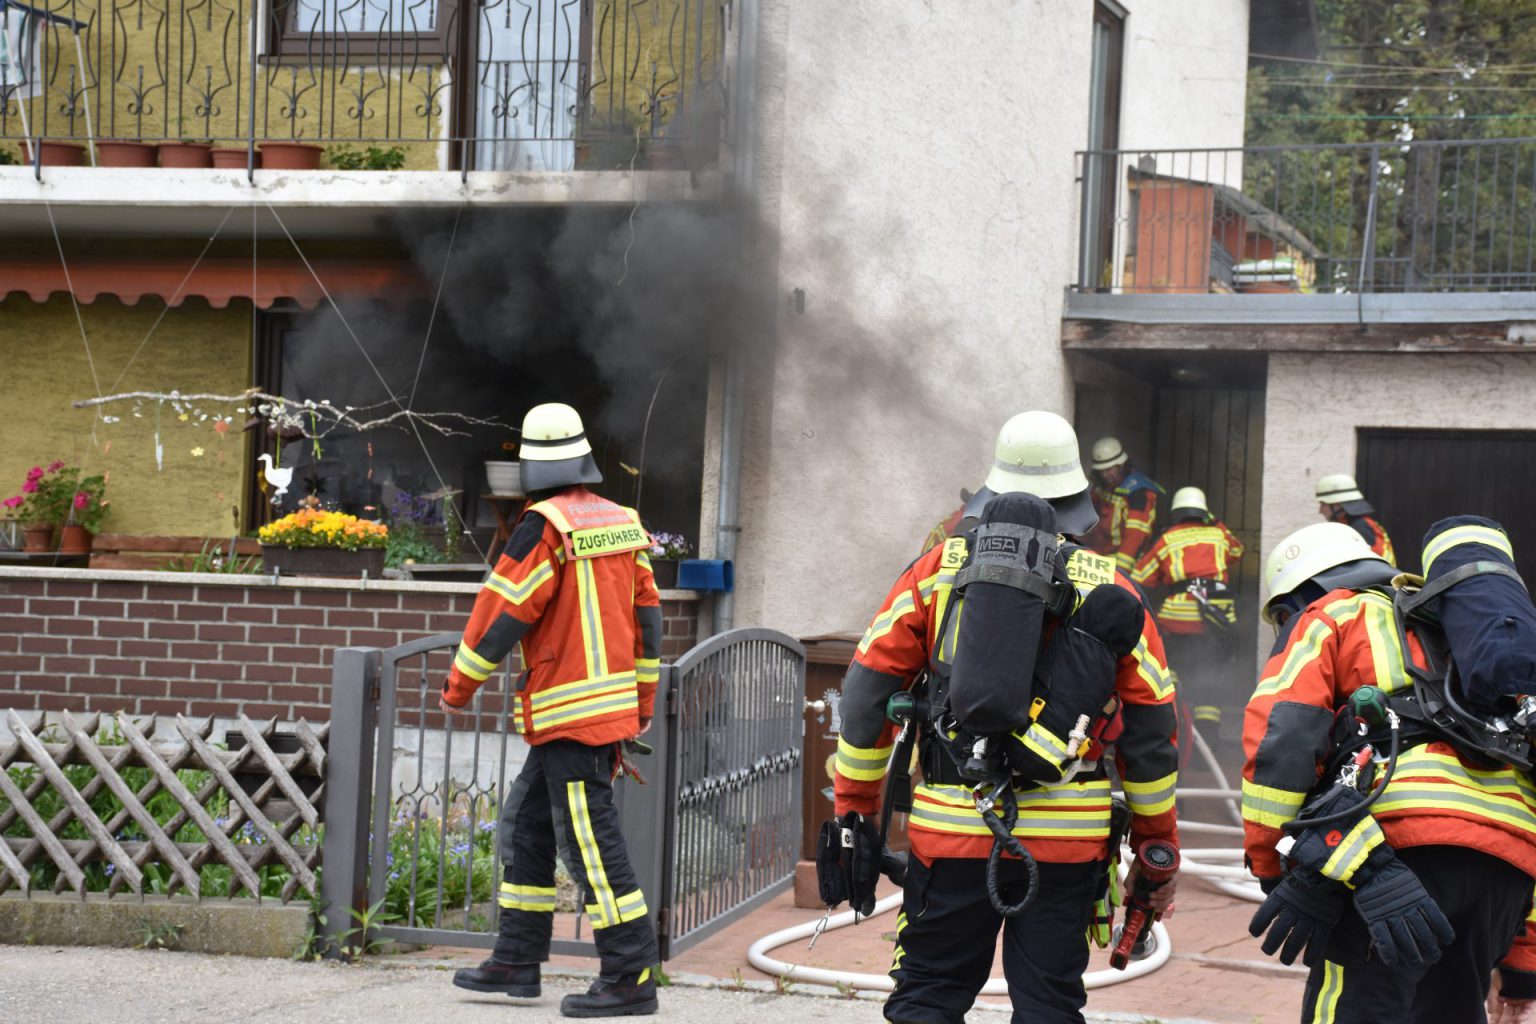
162, 643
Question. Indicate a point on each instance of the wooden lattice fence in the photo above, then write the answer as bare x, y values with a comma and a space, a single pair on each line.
141, 810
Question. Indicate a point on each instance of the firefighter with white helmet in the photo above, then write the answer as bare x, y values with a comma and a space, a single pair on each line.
1127, 501
910, 656
1339, 500
1190, 566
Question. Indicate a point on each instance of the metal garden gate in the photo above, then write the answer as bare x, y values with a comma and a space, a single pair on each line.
414, 796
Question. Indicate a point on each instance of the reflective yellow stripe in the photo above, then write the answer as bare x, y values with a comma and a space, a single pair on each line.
534, 898
1044, 744
1155, 797
471, 664
1352, 850
647, 670
1465, 535
862, 764
577, 688
1265, 805
1067, 811
1156, 674
1420, 762
625, 699
552, 512
643, 557
517, 593
1327, 1005
886, 620
591, 619
1386, 647
631, 907
1309, 646
591, 856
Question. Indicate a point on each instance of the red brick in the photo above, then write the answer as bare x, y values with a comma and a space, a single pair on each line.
220, 632
63, 664
162, 707
16, 662
317, 675
44, 645
269, 596
25, 624
172, 630
219, 670
51, 606
268, 673
382, 600
245, 691
408, 622
375, 638
197, 651
143, 648
92, 684
297, 655
92, 645
314, 714
245, 613
187, 688
346, 618
323, 638
55, 702
200, 612
71, 627
166, 593
272, 634
118, 667
276, 711
145, 687
242, 653
42, 683
120, 627
324, 599
64, 588
301, 617
103, 609
168, 669
227, 594
210, 709
150, 609
12, 605
113, 590
299, 694
10, 642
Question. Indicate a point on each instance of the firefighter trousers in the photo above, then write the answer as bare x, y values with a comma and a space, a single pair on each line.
563, 800
947, 936
1484, 898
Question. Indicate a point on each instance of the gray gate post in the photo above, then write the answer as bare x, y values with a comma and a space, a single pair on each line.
348, 771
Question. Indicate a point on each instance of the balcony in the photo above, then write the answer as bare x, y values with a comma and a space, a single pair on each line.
1382, 239
523, 100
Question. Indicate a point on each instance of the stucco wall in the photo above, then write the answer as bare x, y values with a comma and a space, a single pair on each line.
194, 349
1315, 403
1186, 73
916, 164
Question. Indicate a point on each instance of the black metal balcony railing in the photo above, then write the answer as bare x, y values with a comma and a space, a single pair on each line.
1412, 217
496, 84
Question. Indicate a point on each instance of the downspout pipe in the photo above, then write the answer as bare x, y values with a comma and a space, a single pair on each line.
733, 399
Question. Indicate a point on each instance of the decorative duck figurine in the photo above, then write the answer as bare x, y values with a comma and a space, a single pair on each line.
278, 478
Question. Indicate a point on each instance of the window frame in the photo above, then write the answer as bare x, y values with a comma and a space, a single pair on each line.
286, 45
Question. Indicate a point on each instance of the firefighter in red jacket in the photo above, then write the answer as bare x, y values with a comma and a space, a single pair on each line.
574, 587
947, 929
1439, 869
1192, 562
1339, 500
1127, 498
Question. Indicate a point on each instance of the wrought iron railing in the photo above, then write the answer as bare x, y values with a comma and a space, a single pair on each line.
525, 85
1387, 217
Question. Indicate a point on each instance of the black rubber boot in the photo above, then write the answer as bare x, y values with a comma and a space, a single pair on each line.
521, 981
629, 995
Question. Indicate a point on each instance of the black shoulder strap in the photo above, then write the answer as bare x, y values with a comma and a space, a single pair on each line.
1433, 589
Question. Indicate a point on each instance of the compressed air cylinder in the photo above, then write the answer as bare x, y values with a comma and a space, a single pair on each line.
1001, 622
1488, 619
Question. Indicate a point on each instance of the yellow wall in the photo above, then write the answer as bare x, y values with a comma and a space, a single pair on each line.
195, 348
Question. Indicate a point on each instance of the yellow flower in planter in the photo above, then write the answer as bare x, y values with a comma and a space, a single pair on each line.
320, 528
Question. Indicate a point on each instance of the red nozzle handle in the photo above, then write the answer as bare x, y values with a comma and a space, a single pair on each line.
1157, 862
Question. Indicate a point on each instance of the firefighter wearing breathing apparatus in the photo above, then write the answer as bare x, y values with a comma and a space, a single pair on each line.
1393, 827
1128, 499
574, 587
1016, 661
1339, 500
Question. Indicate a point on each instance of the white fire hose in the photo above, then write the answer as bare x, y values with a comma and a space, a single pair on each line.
1222, 868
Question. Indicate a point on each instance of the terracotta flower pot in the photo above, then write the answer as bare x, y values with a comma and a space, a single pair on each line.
75, 540
54, 154
37, 537
120, 153
185, 154
290, 156
232, 156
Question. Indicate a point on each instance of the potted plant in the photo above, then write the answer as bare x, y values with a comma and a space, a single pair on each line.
612, 141
667, 549
54, 153
234, 156
185, 152
84, 511
125, 153
504, 475
371, 159
40, 506
291, 155
321, 542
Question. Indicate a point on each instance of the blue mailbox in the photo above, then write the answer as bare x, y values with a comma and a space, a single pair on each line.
710, 574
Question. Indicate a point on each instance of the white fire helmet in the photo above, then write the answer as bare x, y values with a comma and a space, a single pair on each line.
1037, 454
1306, 553
1109, 452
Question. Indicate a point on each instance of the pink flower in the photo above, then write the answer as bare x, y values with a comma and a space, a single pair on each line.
81, 498
35, 473
13, 501
31, 485
55, 467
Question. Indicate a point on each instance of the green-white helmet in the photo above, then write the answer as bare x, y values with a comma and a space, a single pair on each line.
1308, 553
1037, 454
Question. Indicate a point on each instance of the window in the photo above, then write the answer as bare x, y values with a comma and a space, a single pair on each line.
1099, 168
395, 31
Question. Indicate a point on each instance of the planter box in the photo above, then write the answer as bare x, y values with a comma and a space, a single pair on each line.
233, 156
665, 571
322, 561
185, 154
290, 156
54, 154
124, 153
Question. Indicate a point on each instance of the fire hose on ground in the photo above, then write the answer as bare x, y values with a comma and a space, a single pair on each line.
1222, 868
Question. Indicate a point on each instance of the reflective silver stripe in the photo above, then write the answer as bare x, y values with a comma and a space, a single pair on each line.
1092, 821
570, 691
1149, 798
586, 709
1045, 743
1013, 467
1346, 859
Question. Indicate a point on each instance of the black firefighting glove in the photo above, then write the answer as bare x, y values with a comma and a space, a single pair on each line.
1299, 913
1338, 847
1405, 923
848, 862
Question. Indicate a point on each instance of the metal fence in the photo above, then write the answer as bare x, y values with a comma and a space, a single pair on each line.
106, 809
528, 85
1400, 217
416, 796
